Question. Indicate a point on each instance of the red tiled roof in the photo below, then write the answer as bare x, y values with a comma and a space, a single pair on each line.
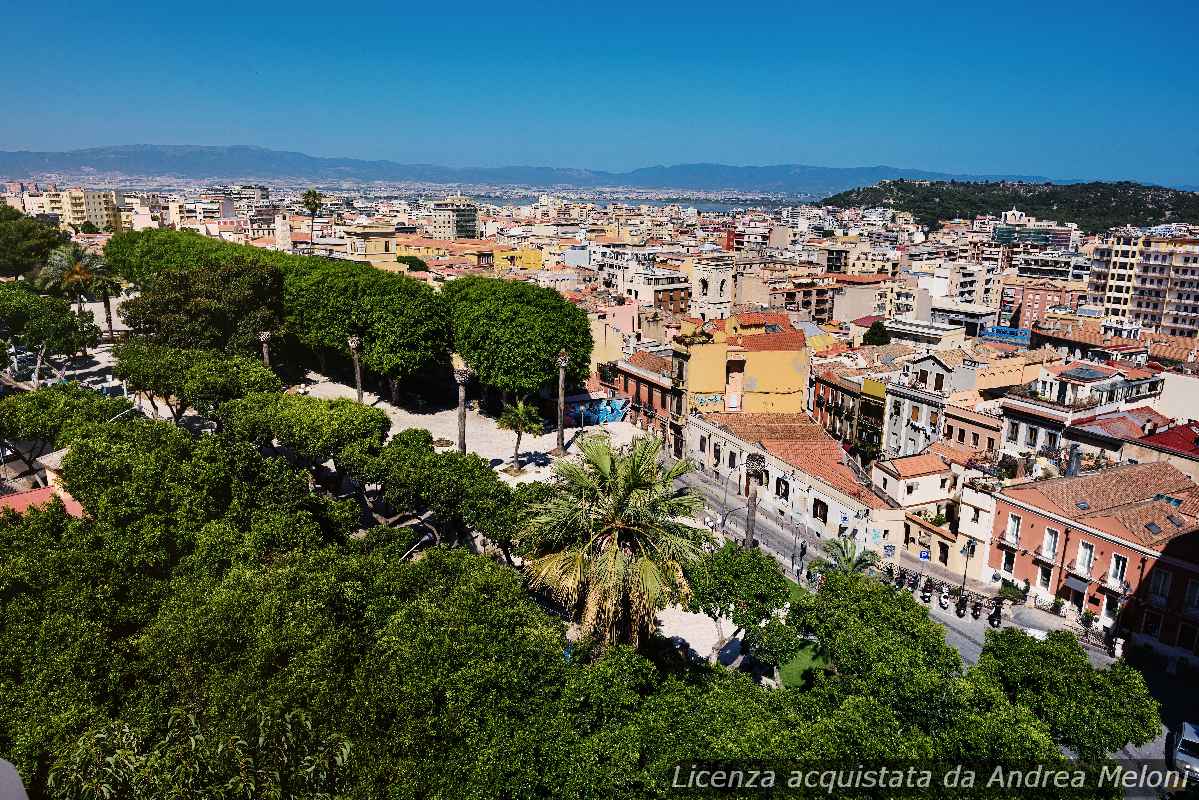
867, 321
1178, 439
749, 318
21, 502
823, 460
788, 340
917, 465
648, 361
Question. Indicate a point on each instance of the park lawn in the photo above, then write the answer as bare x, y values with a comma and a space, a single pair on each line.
793, 672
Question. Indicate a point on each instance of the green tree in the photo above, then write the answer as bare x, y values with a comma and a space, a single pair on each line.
349, 434
185, 379
405, 329
105, 284
1093, 712
25, 243
520, 418
744, 585
413, 263
510, 333
842, 555
609, 543
772, 643
211, 304
32, 423
277, 756
44, 325
876, 334
312, 200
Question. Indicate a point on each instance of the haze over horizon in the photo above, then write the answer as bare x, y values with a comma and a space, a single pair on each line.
629, 88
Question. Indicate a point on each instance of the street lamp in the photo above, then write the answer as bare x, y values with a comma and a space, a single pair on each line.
355, 343
462, 376
563, 360
967, 550
265, 338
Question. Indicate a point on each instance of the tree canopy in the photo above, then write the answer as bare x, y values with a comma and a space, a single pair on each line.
876, 334
510, 333
25, 242
190, 379
209, 304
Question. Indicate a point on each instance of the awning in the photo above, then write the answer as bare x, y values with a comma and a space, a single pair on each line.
1077, 584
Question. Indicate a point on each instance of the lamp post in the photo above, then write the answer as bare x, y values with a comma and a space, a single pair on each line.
967, 551
754, 464
563, 360
355, 343
265, 338
462, 376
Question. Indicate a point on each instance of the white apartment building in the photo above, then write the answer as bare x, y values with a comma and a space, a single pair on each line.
1153, 280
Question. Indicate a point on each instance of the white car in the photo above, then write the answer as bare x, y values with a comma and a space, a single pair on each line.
1186, 748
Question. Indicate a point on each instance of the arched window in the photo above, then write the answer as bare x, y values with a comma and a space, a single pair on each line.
703, 444
782, 489
716, 453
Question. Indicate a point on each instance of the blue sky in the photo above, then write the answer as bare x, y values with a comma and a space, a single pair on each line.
1061, 89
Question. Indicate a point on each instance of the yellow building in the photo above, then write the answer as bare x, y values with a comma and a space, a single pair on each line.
520, 258
753, 362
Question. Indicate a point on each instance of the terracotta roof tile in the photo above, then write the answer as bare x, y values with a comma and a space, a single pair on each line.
21, 502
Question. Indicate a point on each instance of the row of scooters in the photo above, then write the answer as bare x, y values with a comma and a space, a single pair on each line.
911, 581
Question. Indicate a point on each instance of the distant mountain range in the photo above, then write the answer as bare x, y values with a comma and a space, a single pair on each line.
245, 163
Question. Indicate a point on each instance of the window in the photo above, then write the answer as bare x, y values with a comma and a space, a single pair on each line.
962, 435
974, 439
716, 453
923, 377
1192, 595
940, 381
977, 515
884, 481
1013, 528
1086, 556
911, 487
703, 444
782, 489
990, 443
732, 459
1031, 434
1159, 584
932, 420
948, 431
1119, 567
915, 415
1013, 432
1045, 577
1153, 624
1051, 537
820, 510
944, 482
1009, 561
626, 383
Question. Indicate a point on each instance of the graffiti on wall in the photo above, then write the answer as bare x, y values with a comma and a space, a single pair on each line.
596, 412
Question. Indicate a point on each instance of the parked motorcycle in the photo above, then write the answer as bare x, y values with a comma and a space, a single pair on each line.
976, 610
961, 606
943, 600
996, 618
926, 594
915, 584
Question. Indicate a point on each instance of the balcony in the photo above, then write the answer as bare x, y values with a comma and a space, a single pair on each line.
1044, 554
1116, 584
1080, 569
1010, 539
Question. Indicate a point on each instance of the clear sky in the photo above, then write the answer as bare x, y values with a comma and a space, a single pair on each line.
1063, 89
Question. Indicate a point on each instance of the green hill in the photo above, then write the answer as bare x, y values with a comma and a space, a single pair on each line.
1094, 206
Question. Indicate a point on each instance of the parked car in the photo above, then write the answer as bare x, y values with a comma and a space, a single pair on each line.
1186, 748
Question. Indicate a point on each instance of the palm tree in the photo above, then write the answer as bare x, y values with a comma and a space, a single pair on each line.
520, 418
69, 270
610, 544
843, 556
312, 200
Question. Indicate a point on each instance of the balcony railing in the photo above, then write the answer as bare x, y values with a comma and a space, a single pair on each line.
1082, 569
1116, 583
1042, 553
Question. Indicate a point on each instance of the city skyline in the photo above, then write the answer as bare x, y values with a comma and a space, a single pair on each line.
612, 91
